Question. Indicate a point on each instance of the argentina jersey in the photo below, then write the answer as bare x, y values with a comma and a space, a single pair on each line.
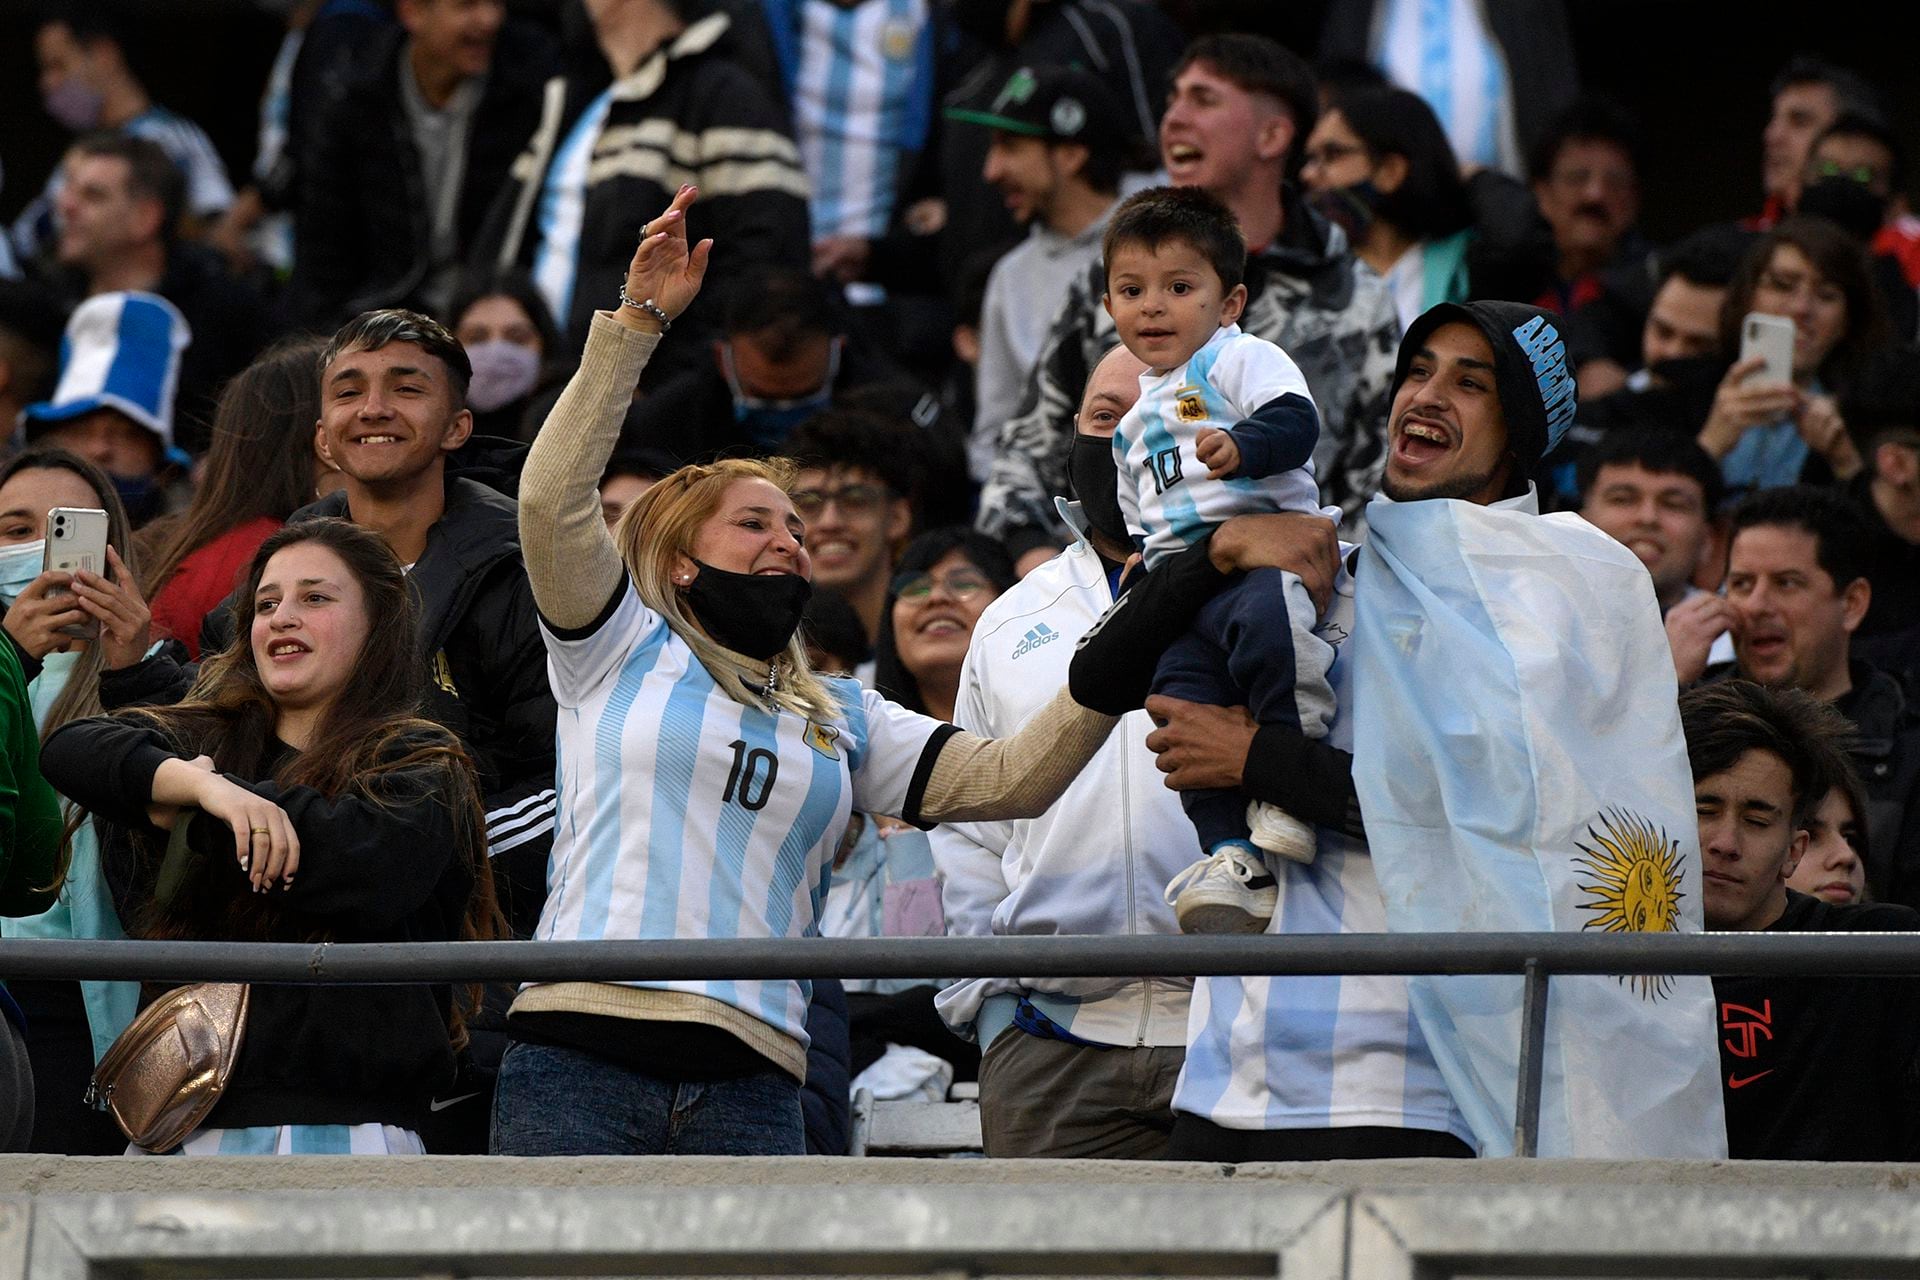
1169, 501
686, 814
1320, 1052
563, 208
862, 98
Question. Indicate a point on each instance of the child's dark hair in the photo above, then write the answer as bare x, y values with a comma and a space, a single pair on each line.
1159, 214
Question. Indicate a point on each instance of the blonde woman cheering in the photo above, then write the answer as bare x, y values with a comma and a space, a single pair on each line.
706, 771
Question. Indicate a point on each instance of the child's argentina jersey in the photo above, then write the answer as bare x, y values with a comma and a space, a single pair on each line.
685, 814
1316, 1052
1169, 502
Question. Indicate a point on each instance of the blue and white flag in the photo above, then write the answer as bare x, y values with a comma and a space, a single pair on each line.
1520, 766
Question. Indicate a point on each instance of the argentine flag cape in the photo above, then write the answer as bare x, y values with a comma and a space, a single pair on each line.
1520, 766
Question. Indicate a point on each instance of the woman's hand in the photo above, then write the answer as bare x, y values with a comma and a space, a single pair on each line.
264, 840
126, 630
47, 604
1738, 406
1825, 432
662, 270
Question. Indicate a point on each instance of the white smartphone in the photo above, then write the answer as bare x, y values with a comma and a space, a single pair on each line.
1771, 337
76, 540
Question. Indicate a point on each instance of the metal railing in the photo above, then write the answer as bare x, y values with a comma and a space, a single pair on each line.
1536, 957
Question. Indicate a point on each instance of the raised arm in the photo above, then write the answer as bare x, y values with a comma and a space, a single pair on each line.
571, 560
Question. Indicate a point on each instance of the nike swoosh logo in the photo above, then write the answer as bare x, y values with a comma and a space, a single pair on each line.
441, 1104
1741, 1082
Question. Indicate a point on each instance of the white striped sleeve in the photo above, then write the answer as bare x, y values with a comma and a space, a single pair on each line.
529, 818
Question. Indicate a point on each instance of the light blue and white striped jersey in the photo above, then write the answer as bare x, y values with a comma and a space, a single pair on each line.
1444, 50
1317, 1052
1169, 502
686, 814
856, 103
563, 208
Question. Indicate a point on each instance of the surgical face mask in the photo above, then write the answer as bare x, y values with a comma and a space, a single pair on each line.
75, 104
502, 372
767, 422
20, 564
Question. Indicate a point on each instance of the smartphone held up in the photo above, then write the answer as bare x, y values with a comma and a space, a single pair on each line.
77, 541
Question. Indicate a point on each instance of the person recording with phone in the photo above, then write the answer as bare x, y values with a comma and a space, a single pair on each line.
72, 1023
1765, 432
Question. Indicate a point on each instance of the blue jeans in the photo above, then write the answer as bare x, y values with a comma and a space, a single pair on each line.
552, 1101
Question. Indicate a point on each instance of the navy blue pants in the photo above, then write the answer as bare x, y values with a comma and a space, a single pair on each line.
1251, 646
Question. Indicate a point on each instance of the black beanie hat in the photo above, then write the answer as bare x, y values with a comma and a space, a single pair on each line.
1530, 371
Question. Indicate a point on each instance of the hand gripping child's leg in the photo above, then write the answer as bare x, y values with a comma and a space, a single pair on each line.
1253, 645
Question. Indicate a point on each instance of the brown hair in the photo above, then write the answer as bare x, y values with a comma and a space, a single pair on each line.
1841, 261
260, 461
80, 697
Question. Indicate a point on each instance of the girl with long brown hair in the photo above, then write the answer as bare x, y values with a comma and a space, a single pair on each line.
261, 468
320, 808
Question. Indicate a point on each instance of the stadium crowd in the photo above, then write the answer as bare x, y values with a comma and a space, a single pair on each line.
666, 468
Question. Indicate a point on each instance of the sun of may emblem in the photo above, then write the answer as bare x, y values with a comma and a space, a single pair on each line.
1632, 872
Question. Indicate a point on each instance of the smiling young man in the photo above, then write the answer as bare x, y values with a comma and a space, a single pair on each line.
1797, 590
855, 490
1813, 1067
1655, 492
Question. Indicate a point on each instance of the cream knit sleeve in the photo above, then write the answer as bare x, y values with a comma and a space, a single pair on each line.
571, 560
978, 779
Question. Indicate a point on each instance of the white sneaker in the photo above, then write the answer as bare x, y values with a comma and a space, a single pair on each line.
1279, 832
1230, 892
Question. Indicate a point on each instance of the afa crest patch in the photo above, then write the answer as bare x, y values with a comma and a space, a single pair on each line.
1190, 404
822, 737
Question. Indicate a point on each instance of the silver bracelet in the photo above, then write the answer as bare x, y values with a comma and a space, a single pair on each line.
649, 306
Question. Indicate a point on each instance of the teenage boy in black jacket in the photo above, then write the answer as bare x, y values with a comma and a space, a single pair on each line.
1815, 1067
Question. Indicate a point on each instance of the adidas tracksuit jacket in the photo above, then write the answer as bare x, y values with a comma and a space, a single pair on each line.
1097, 862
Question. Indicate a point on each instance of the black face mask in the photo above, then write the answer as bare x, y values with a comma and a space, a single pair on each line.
1847, 204
1353, 209
1096, 483
754, 614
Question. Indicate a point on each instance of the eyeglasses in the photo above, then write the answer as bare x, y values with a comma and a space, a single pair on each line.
1329, 154
961, 584
852, 499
